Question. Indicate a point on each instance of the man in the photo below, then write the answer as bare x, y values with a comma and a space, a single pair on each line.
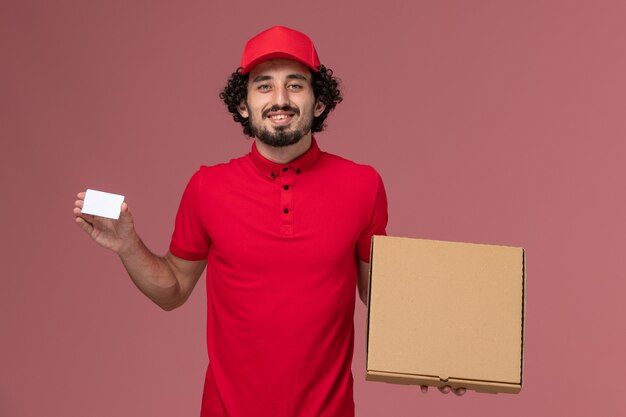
284, 233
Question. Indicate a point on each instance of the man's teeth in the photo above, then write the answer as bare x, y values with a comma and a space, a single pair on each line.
280, 116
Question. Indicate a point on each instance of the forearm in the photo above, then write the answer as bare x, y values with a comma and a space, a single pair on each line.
363, 281
152, 274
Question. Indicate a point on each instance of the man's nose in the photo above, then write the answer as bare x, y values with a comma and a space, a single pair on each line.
281, 96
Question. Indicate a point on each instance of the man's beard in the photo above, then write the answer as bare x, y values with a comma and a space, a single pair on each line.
281, 137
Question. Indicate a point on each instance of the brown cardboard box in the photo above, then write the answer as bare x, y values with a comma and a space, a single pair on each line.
446, 313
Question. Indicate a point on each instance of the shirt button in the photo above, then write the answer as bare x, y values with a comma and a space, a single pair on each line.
285, 210
285, 187
273, 175
298, 171
285, 169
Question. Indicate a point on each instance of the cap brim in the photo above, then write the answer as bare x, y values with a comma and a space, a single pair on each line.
274, 55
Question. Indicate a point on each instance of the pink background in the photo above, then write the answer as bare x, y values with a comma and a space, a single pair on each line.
490, 121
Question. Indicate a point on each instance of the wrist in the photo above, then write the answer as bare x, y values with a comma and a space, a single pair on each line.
129, 246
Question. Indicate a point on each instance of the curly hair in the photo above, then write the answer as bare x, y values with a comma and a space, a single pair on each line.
325, 89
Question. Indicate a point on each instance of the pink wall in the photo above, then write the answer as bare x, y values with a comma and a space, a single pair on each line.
490, 121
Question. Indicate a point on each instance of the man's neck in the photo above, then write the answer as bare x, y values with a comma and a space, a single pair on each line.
284, 154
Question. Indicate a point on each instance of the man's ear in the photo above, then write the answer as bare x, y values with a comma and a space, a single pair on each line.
243, 110
319, 108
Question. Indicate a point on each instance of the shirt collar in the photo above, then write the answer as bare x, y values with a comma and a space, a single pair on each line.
273, 169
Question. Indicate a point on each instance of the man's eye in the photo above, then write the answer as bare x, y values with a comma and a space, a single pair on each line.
263, 87
294, 86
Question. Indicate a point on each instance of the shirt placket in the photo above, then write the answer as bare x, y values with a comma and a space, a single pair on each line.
286, 181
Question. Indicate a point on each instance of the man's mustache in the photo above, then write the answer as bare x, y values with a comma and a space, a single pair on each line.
290, 109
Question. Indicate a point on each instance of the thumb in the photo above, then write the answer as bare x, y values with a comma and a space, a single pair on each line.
125, 210
125, 215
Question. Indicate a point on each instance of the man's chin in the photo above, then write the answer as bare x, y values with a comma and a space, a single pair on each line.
279, 142
280, 137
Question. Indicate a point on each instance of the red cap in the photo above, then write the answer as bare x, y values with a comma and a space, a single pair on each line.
279, 42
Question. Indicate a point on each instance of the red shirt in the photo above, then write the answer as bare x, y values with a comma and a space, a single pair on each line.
281, 244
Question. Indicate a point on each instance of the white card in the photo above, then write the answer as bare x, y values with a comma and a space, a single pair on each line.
102, 204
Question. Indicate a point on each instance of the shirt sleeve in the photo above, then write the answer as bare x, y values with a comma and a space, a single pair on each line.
377, 224
190, 240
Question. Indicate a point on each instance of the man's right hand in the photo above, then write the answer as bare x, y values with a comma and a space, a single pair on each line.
167, 280
117, 235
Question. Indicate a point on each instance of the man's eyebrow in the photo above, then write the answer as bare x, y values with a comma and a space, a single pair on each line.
297, 77
259, 78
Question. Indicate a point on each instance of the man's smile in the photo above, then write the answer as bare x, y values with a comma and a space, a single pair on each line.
280, 117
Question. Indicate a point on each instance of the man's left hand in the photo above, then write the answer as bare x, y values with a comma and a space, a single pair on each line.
446, 389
